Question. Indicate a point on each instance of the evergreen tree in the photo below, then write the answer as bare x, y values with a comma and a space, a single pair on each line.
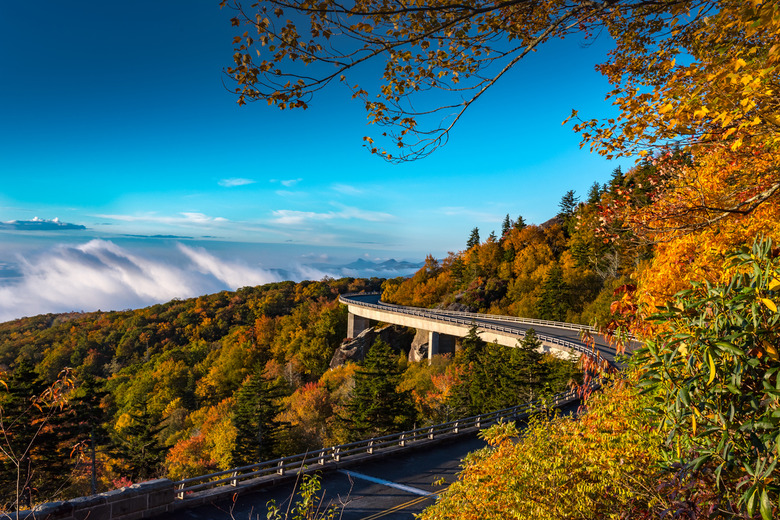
458, 270
39, 433
509, 253
519, 223
554, 296
21, 429
139, 445
530, 371
495, 377
506, 226
462, 396
473, 238
86, 421
568, 205
594, 195
617, 181
493, 380
492, 237
376, 407
256, 430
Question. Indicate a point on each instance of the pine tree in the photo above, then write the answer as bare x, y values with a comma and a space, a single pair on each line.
493, 380
256, 430
36, 438
594, 195
617, 181
506, 226
458, 270
86, 420
527, 360
554, 296
568, 205
21, 428
139, 445
473, 238
464, 397
376, 407
519, 223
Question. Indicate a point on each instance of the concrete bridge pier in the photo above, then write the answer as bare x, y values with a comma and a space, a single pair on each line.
356, 324
433, 345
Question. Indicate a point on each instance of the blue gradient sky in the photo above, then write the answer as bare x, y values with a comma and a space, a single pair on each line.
115, 117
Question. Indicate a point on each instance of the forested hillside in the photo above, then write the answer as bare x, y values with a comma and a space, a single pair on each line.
563, 270
159, 387
223, 380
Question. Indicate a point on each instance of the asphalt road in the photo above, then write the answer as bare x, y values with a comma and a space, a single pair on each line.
391, 488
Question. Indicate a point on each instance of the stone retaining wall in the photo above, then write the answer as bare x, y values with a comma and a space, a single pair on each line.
143, 500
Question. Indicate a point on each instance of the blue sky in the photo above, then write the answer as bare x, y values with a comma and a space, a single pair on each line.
115, 118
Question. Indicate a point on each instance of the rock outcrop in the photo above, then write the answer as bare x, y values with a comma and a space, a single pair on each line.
355, 349
419, 348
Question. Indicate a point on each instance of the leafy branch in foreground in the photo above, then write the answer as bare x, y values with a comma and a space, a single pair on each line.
308, 505
435, 59
28, 444
713, 371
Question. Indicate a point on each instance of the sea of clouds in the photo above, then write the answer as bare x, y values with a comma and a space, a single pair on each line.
100, 274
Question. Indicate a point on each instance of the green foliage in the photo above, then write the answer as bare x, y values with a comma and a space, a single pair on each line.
713, 371
568, 207
159, 383
376, 406
617, 180
307, 505
494, 377
594, 194
254, 419
139, 446
36, 438
473, 238
506, 225
519, 223
552, 303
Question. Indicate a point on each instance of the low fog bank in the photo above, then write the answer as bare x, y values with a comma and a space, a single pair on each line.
100, 274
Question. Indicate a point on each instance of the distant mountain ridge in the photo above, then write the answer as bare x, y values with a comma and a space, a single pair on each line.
362, 266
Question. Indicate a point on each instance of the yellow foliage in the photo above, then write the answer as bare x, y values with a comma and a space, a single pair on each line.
592, 467
708, 207
209, 445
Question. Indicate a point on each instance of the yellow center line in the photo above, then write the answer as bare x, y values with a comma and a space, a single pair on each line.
399, 506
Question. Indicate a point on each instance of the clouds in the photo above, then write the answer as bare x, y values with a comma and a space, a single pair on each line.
102, 275
293, 217
346, 189
39, 224
233, 182
287, 183
232, 274
179, 219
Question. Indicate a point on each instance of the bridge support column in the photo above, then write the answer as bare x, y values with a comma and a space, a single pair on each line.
356, 325
433, 345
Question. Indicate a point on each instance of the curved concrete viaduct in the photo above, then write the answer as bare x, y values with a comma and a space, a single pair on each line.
558, 338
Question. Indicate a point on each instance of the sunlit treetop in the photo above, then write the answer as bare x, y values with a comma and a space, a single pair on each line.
435, 58
702, 73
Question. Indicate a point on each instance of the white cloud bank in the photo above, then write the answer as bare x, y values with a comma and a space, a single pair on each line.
233, 182
103, 275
